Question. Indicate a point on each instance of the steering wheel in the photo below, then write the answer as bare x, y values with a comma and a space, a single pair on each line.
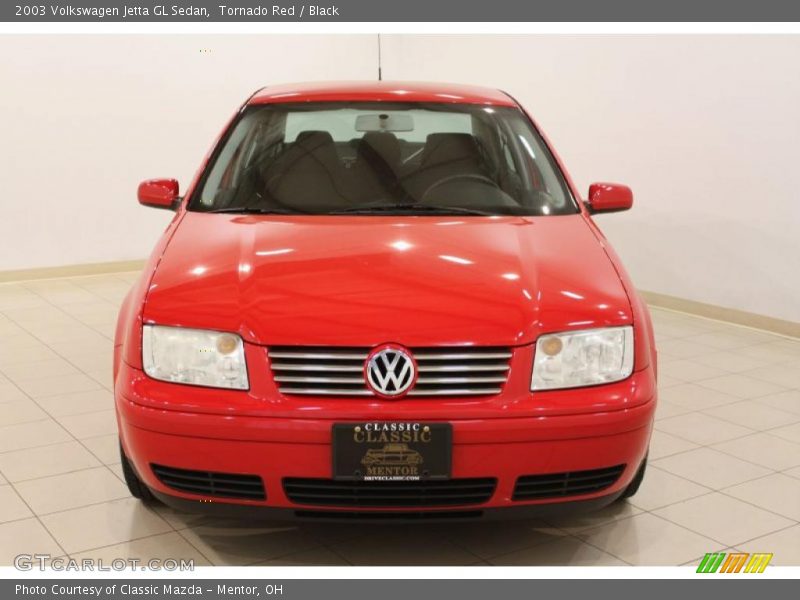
441, 182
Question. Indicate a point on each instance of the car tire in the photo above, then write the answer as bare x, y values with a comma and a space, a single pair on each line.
633, 486
135, 485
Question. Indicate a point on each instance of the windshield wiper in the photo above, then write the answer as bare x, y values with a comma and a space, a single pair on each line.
409, 207
358, 210
252, 210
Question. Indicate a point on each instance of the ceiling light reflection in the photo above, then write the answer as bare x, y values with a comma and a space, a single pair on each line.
455, 259
401, 245
527, 146
572, 295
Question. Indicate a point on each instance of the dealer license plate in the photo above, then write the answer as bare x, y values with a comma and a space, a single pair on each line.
391, 451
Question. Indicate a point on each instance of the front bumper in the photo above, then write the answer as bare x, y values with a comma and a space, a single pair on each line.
274, 448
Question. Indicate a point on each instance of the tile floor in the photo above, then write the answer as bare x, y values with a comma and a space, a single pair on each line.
724, 470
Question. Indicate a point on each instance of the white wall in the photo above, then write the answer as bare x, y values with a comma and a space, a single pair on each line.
705, 129
84, 118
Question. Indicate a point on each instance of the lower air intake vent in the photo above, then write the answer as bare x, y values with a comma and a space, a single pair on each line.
557, 485
433, 515
205, 483
389, 494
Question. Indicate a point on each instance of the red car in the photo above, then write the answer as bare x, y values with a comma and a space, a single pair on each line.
361, 267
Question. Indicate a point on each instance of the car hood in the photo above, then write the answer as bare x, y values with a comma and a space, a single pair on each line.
366, 280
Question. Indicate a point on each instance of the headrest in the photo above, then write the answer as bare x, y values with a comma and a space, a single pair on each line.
313, 138
384, 144
314, 145
443, 148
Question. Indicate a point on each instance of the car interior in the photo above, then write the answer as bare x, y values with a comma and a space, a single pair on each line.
314, 173
375, 167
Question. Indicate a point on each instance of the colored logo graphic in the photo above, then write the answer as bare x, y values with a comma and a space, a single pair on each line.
735, 562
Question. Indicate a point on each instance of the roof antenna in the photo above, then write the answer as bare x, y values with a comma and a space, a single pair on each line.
380, 73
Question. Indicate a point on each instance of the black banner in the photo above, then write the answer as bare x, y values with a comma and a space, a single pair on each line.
399, 11
731, 588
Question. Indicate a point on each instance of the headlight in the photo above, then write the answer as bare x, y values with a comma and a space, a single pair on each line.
194, 357
580, 358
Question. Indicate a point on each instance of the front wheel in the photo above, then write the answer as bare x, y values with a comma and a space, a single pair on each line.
135, 485
633, 486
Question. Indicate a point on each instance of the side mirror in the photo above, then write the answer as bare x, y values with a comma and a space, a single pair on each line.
609, 197
159, 193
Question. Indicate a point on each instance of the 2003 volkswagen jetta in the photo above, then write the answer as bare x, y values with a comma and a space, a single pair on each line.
383, 300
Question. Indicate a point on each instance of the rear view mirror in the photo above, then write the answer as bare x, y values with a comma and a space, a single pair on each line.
609, 197
384, 122
159, 193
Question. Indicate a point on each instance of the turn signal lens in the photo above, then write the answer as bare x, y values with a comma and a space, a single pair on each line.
227, 344
551, 345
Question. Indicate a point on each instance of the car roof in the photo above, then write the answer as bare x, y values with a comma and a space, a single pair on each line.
381, 91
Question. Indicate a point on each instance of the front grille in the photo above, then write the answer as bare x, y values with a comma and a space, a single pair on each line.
557, 485
339, 371
389, 494
205, 483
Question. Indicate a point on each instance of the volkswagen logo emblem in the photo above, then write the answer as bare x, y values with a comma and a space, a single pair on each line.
390, 371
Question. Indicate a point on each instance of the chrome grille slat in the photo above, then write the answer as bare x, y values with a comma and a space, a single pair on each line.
320, 355
463, 356
423, 380
338, 371
326, 391
312, 379
291, 367
456, 392
460, 368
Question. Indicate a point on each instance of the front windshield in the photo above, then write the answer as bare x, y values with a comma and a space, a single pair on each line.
387, 158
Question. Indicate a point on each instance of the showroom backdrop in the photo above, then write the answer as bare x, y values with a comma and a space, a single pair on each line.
704, 128
84, 118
